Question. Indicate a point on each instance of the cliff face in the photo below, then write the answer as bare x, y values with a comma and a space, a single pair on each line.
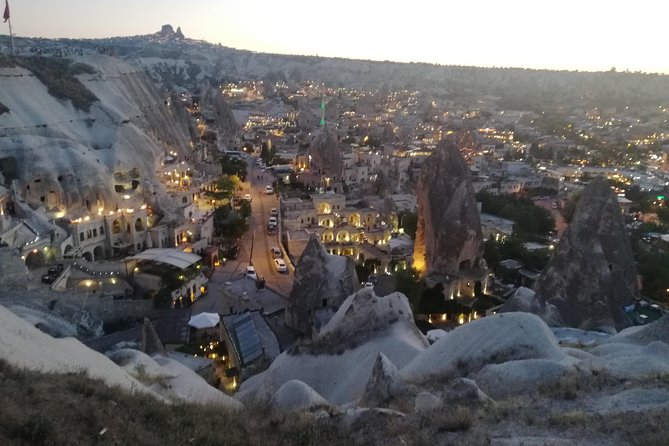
322, 283
448, 236
214, 107
592, 274
66, 157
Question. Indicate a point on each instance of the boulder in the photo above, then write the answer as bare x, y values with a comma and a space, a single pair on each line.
425, 401
465, 390
448, 235
626, 361
491, 340
655, 331
295, 395
592, 275
521, 377
384, 383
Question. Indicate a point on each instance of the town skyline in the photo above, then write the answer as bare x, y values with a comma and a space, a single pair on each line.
568, 36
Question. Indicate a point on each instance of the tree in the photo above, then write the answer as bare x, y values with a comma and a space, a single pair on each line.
409, 221
409, 283
225, 188
491, 253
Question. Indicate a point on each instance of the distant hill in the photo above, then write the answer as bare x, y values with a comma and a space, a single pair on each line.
518, 88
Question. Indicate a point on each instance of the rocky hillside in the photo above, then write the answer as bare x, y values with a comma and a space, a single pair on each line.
51, 143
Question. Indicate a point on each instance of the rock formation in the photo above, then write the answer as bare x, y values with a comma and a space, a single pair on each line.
151, 343
449, 235
592, 274
322, 282
383, 384
215, 108
297, 396
326, 157
338, 362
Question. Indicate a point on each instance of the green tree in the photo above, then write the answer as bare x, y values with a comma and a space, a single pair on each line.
408, 221
491, 253
409, 283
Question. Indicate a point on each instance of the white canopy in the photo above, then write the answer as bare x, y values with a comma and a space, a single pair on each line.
204, 320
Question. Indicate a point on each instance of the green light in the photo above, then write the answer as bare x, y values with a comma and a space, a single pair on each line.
660, 197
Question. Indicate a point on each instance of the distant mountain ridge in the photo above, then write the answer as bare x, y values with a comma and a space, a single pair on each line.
515, 87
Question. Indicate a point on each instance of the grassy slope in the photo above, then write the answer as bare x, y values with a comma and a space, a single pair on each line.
72, 409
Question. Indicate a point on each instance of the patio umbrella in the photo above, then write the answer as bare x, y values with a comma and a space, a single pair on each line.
204, 320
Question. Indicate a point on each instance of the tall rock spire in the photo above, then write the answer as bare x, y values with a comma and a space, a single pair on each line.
592, 274
449, 235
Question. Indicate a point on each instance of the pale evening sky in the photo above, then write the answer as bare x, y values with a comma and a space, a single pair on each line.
564, 34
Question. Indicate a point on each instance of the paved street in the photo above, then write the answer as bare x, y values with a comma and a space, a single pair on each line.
241, 293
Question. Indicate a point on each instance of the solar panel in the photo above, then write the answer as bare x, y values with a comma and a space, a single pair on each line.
250, 347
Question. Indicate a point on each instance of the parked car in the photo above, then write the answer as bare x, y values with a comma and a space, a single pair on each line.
280, 265
274, 212
276, 252
251, 272
48, 278
269, 190
272, 221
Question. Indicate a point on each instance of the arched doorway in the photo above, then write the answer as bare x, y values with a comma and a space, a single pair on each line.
35, 259
98, 253
116, 227
324, 208
88, 256
343, 236
328, 236
139, 225
354, 220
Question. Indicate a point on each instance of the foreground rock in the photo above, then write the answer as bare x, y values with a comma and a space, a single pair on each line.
448, 236
23, 345
383, 384
338, 363
645, 334
592, 275
491, 340
322, 282
297, 396
172, 380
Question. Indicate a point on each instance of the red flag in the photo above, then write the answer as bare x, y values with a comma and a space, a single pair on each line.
6, 14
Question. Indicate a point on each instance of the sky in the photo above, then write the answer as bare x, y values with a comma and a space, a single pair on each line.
588, 35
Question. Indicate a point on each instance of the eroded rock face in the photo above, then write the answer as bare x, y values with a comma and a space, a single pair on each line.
322, 282
592, 274
326, 157
449, 235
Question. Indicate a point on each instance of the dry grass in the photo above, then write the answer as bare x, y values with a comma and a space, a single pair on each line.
72, 409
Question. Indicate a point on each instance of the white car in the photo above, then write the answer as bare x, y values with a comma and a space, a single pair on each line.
269, 190
280, 265
272, 221
276, 252
248, 198
251, 272
369, 284
274, 212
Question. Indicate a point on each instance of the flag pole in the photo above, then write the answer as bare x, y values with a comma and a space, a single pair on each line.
7, 18
11, 36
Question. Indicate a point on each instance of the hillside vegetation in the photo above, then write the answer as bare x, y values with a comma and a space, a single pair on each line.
72, 409
58, 75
